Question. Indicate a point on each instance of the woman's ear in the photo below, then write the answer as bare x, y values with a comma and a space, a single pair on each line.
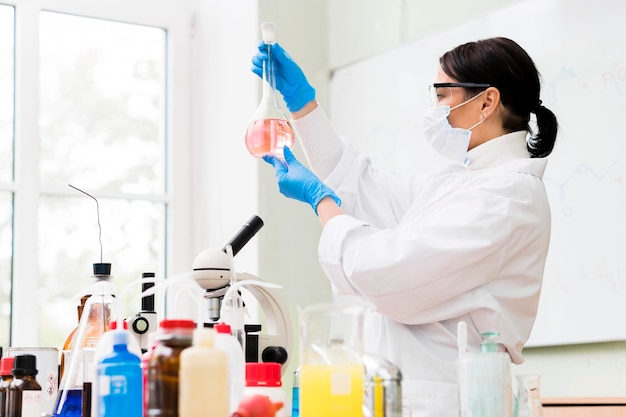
490, 102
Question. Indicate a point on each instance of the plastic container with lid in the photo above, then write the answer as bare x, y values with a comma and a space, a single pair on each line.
6, 376
264, 378
119, 379
104, 348
203, 386
228, 343
172, 338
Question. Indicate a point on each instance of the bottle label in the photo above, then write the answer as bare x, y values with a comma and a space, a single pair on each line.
31, 404
112, 385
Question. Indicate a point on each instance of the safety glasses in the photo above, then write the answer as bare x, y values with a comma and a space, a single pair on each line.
442, 92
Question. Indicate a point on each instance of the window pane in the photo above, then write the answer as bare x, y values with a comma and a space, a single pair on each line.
6, 253
7, 64
69, 244
102, 104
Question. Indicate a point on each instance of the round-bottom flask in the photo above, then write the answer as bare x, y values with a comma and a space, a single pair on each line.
269, 130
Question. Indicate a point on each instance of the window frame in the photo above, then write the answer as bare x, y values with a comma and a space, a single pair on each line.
174, 16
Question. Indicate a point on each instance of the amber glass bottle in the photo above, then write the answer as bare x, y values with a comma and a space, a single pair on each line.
24, 395
164, 365
67, 346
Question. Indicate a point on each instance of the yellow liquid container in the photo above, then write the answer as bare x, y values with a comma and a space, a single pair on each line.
331, 390
332, 370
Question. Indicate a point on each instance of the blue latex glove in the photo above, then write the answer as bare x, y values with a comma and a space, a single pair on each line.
290, 80
297, 182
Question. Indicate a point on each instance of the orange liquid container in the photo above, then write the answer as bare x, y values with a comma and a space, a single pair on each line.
269, 137
67, 346
331, 390
269, 130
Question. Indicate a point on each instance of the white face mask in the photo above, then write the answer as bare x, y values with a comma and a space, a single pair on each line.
450, 142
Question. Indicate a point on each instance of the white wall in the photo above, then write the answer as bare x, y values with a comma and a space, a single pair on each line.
325, 35
225, 176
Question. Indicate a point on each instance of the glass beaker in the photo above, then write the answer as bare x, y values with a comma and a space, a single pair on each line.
331, 360
269, 131
528, 398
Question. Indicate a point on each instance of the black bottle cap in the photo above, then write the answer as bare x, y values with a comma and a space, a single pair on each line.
102, 269
25, 364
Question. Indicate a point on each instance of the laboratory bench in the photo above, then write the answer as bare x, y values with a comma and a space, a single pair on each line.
584, 407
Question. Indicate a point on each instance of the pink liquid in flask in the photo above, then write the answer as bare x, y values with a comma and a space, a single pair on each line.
269, 137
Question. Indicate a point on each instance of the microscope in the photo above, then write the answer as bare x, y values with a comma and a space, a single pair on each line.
267, 342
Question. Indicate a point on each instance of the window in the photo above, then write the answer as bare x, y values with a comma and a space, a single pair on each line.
102, 101
95, 110
7, 81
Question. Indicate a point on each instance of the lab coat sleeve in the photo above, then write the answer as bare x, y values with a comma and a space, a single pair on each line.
343, 169
440, 254
320, 142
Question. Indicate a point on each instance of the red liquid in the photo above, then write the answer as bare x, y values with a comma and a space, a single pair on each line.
268, 137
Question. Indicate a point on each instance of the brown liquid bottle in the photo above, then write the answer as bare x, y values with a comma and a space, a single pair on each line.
24, 395
67, 346
6, 376
164, 365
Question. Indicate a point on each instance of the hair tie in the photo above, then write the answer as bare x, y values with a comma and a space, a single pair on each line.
539, 104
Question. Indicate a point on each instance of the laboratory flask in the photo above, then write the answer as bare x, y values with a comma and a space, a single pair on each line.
528, 398
331, 362
74, 395
269, 130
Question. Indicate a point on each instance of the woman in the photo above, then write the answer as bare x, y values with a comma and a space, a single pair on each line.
466, 243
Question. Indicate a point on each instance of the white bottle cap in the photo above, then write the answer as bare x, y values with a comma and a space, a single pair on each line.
204, 336
268, 29
119, 337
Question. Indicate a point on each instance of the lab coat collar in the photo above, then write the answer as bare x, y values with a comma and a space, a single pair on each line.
502, 152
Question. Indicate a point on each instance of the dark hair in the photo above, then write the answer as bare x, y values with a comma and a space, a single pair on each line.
503, 64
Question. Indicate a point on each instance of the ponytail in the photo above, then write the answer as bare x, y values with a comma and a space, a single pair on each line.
541, 144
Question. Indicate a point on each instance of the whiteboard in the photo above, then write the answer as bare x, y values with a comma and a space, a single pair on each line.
578, 47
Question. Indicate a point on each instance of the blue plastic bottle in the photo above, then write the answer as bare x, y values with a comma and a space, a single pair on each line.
120, 380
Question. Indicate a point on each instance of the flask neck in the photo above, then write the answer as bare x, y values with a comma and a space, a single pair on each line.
269, 82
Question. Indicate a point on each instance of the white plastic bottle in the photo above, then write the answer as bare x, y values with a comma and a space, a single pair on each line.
203, 378
236, 364
263, 378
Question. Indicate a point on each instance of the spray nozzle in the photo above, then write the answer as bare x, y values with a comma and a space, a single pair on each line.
489, 343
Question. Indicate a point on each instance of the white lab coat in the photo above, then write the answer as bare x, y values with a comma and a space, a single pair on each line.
468, 242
